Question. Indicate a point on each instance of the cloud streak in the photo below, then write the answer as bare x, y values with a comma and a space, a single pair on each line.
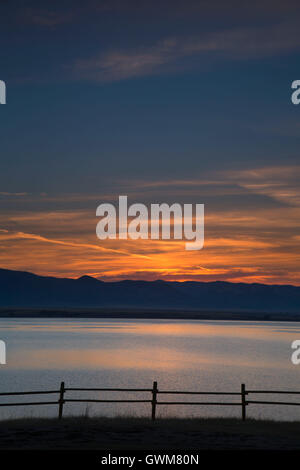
31, 236
236, 44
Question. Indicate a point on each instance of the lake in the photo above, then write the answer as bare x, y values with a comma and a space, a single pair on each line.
181, 355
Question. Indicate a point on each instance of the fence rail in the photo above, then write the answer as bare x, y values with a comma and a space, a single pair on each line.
153, 400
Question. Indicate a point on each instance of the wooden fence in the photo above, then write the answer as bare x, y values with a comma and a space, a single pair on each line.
153, 399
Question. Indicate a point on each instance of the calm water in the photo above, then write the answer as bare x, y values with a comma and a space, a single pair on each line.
180, 355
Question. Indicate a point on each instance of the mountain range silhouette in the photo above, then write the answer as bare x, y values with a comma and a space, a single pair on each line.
25, 290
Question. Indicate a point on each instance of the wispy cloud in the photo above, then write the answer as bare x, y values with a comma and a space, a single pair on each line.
235, 44
280, 183
5, 193
6, 234
118, 65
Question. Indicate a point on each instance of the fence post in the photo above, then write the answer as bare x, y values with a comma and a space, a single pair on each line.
61, 400
154, 401
244, 403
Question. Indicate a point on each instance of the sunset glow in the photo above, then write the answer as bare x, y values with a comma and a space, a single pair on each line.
244, 241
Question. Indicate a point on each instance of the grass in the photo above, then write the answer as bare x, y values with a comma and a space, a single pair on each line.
128, 432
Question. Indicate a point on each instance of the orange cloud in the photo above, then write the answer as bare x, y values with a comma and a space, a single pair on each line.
247, 242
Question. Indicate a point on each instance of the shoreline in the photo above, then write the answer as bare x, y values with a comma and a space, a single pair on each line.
144, 314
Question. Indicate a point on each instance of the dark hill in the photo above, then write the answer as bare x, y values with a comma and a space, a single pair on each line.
23, 289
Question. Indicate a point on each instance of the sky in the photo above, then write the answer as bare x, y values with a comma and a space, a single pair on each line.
168, 101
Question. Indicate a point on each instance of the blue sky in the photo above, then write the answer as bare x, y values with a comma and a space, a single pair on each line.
145, 87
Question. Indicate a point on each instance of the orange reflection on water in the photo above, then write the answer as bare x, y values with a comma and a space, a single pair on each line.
201, 328
129, 358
